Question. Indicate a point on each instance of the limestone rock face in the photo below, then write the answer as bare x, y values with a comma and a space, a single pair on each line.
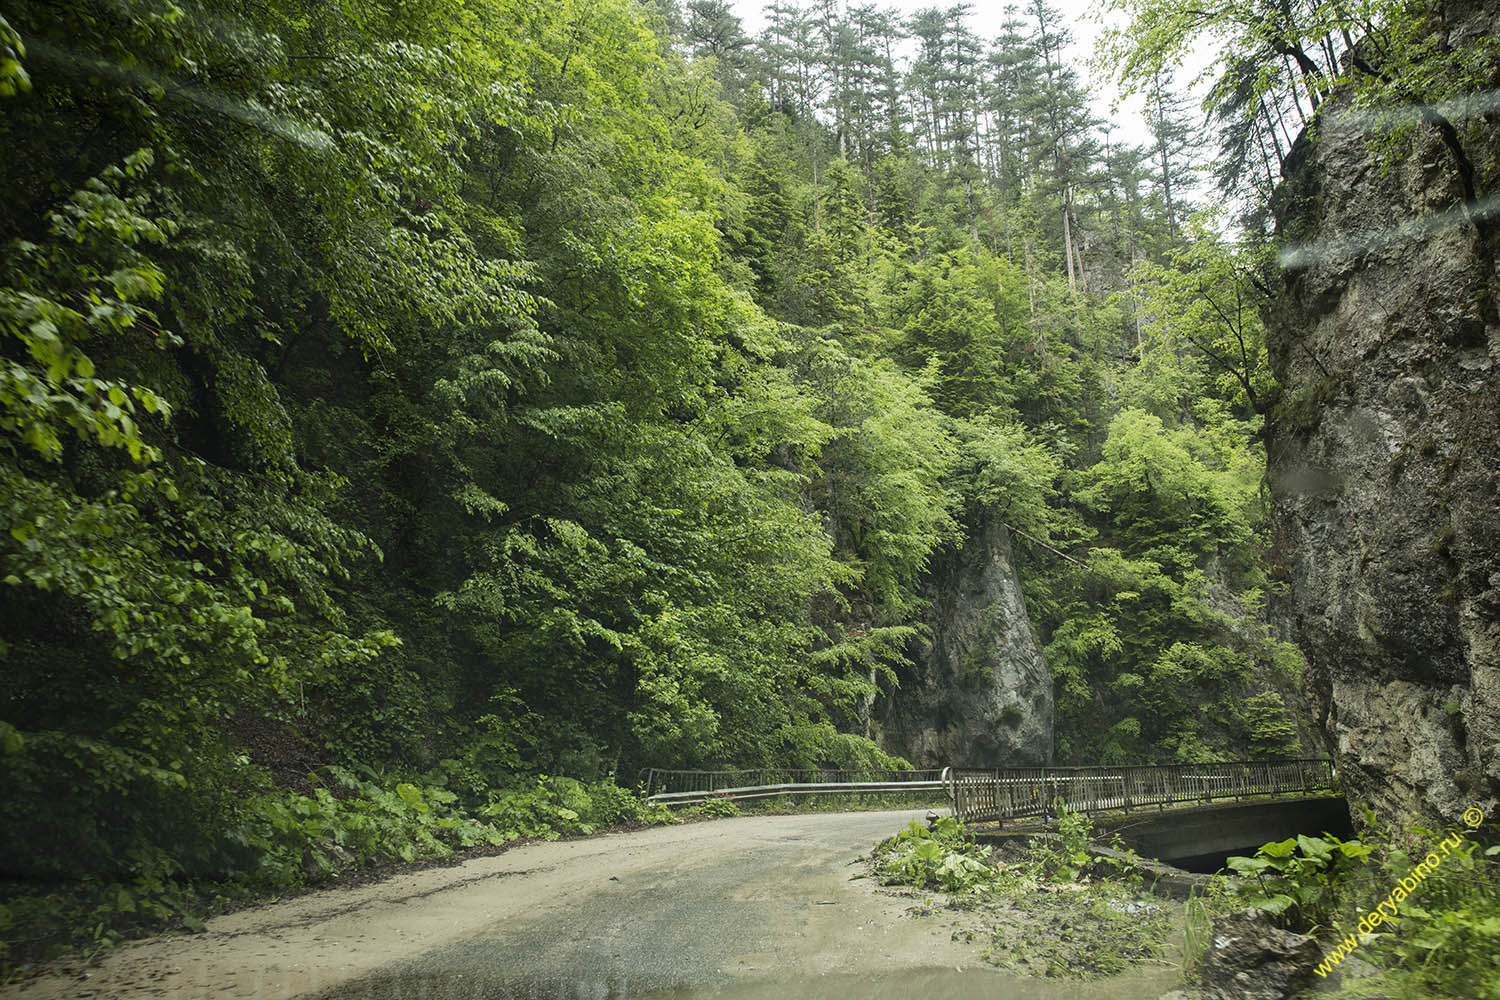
981, 695
1384, 453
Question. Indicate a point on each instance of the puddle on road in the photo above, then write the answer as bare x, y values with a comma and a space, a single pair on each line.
935, 984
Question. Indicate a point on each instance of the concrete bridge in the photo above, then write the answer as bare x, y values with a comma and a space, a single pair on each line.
1190, 814
999, 795
1198, 838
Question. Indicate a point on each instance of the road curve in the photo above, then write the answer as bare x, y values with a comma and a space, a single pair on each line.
739, 907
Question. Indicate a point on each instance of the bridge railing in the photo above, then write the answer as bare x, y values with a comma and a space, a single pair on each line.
1001, 794
687, 787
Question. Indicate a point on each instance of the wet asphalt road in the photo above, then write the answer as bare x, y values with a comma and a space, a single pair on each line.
758, 909
773, 898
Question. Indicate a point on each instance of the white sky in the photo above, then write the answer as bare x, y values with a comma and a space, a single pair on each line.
1083, 20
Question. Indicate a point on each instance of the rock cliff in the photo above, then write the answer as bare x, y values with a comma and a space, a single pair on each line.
981, 694
1384, 451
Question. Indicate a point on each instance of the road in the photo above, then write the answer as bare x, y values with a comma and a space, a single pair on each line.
748, 908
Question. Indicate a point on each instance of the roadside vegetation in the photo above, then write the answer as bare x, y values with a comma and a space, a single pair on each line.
1056, 908
1059, 908
347, 824
1441, 944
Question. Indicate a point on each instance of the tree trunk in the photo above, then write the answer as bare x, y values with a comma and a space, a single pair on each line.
1067, 240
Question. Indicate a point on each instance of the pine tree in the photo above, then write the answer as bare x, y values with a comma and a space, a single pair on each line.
714, 31
1176, 140
1014, 74
1061, 141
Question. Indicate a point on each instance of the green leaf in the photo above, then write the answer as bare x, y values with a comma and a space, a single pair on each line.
1430, 939
927, 850
1248, 866
1355, 849
1315, 847
1280, 848
412, 796
1277, 903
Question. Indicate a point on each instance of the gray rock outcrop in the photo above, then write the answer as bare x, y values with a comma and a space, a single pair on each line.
1250, 958
981, 695
1384, 451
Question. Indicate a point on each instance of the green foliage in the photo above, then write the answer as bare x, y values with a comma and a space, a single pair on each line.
1204, 903
275, 839
86, 282
13, 75
1181, 513
966, 319
718, 807
1070, 857
1042, 916
553, 807
1412, 73
310, 838
1202, 343
941, 857
1440, 941
883, 471
1005, 473
1296, 880
299, 461
1274, 60
1168, 503
1443, 942
1271, 735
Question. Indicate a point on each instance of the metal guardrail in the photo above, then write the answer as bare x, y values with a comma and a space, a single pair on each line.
1013, 793
681, 788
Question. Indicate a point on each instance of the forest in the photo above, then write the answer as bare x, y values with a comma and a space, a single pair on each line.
419, 417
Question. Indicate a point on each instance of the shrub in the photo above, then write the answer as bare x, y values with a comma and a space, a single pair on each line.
722, 807
940, 858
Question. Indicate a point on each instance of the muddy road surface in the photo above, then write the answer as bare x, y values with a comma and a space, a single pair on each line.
749, 908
